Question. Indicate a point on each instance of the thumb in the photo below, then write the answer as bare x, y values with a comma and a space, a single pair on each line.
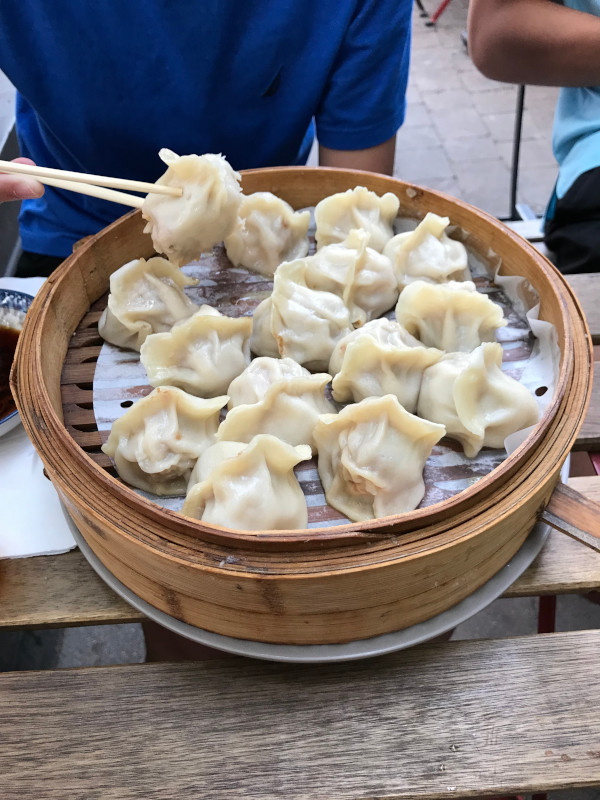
19, 187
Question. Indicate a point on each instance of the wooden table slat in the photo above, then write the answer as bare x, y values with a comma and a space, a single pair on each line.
458, 719
564, 566
56, 591
587, 289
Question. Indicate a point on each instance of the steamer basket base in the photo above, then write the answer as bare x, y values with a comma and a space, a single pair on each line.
334, 583
326, 653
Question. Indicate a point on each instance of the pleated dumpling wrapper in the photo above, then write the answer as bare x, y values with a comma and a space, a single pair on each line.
361, 276
211, 458
267, 232
145, 297
297, 321
452, 316
252, 488
201, 354
185, 227
479, 404
340, 213
284, 402
371, 458
380, 358
263, 341
428, 254
156, 443
254, 382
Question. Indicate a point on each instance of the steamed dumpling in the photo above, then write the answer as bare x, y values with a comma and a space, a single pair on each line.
384, 330
251, 488
288, 409
185, 227
340, 213
357, 273
478, 403
262, 340
428, 254
201, 354
254, 382
303, 323
145, 297
452, 316
156, 443
371, 458
268, 231
212, 457
377, 359
306, 322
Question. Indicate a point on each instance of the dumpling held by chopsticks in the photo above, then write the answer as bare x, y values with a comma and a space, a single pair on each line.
185, 227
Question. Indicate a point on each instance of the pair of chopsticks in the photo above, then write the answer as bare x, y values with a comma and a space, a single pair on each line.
94, 185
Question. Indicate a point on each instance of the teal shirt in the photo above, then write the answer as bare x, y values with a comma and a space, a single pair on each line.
576, 134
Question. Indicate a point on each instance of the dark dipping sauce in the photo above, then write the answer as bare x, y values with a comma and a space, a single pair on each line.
8, 343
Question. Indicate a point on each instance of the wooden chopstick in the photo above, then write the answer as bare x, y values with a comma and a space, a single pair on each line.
81, 177
95, 191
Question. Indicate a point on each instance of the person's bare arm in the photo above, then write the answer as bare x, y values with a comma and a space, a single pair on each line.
373, 159
19, 187
534, 42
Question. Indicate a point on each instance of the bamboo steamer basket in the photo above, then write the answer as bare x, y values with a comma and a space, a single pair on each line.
317, 586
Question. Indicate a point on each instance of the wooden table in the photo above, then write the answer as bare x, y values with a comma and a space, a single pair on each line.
455, 719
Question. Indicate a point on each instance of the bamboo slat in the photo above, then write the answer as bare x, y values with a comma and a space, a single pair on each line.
332, 584
458, 719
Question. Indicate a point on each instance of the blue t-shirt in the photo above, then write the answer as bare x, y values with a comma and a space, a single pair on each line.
576, 133
103, 86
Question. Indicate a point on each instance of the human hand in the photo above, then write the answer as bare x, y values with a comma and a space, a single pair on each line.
19, 187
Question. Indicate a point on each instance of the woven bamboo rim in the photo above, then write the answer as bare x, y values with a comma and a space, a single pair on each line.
322, 585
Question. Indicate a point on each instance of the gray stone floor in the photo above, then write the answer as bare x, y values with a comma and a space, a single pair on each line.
457, 138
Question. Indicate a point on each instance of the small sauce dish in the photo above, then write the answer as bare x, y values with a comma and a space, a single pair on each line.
13, 308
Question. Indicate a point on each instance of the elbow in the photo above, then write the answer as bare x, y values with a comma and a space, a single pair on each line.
480, 55
482, 51
488, 47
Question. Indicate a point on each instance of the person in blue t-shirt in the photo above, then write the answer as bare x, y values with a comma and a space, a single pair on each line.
103, 86
554, 44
